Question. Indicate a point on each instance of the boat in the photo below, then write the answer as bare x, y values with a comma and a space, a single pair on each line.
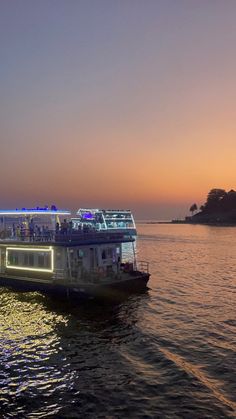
45, 249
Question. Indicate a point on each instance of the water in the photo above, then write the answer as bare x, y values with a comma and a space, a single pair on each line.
167, 353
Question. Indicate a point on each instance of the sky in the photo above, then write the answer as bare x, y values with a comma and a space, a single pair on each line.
117, 103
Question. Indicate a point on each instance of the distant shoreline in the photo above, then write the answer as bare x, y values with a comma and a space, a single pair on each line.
159, 222
212, 224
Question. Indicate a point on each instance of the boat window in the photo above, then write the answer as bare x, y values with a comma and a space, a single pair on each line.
80, 253
29, 259
103, 254
44, 260
109, 252
41, 259
13, 258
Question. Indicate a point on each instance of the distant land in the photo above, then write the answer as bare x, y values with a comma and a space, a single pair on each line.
219, 209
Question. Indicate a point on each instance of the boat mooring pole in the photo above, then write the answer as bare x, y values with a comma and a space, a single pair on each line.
134, 253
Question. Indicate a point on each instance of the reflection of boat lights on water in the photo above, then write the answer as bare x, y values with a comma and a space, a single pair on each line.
92, 254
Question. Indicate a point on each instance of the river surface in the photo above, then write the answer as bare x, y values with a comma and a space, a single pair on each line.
167, 353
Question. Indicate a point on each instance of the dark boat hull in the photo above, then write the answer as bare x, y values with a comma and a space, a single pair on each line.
114, 290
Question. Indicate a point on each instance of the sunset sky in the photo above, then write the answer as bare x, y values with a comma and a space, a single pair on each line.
117, 103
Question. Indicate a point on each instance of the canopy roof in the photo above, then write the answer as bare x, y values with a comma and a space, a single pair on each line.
34, 211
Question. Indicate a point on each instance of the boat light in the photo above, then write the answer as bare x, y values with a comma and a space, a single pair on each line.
30, 249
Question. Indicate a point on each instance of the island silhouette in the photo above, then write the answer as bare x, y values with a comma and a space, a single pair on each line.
219, 208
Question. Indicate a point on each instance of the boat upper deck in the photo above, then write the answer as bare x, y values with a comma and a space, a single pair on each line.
47, 226
43, 226
106, 219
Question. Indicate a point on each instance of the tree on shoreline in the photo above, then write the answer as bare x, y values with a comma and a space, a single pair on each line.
193, 208
214, 199
220, 207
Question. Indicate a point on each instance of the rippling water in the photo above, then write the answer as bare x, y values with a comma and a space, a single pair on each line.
167, 353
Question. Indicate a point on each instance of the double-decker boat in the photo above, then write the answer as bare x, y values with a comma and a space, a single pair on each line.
45, 249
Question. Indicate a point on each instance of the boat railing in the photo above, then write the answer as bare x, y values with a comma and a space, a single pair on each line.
77, 236
26, 235
143, 266
60, 274
96, 275
72, 236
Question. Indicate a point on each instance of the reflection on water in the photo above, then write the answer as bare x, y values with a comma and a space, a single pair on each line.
169, 352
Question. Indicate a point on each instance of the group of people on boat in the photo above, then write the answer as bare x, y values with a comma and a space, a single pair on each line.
68, 228
65, 227
31, 232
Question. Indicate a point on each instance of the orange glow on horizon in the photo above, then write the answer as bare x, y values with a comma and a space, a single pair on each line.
141, 115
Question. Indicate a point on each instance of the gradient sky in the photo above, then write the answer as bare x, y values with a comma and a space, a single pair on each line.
113, 103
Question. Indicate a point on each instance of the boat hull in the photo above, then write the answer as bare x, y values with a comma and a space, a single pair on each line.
114, 290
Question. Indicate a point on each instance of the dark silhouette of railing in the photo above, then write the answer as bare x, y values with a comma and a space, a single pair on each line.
91, 236
64, 237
